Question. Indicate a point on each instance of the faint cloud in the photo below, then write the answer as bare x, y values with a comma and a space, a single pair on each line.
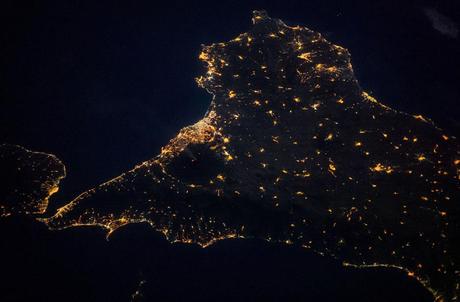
441, 23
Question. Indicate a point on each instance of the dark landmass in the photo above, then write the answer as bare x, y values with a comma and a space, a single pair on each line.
28, 180
293, 151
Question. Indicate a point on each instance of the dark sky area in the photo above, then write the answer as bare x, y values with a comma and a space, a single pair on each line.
104, 84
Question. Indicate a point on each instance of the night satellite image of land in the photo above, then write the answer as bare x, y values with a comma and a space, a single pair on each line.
291, 151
